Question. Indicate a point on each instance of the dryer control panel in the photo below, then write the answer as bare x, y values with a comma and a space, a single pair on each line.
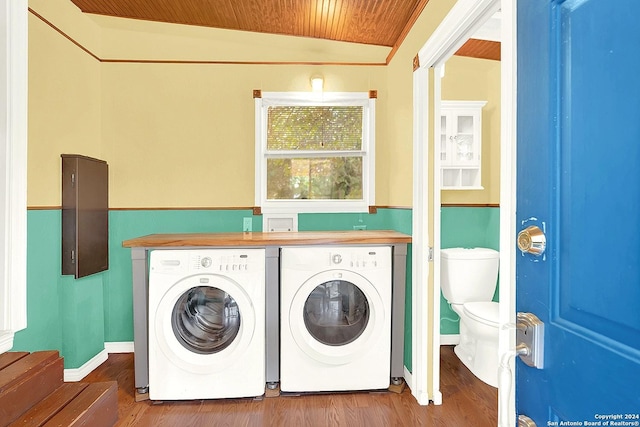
361, 259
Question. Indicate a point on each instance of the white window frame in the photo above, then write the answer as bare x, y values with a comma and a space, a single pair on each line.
268, 99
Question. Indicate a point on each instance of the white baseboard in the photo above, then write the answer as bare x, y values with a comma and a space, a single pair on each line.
437, 395
408, 379
6, 341
119, 347
77, 374
437, 398
452, 339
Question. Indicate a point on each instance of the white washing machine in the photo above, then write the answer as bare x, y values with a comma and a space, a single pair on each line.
206, 323
335, 318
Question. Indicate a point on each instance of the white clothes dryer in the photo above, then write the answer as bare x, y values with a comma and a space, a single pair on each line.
206, 323
335, 318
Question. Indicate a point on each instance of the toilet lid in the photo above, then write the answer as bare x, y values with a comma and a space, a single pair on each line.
485, 312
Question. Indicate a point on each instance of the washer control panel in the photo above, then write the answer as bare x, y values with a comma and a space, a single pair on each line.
219, 261
221, 264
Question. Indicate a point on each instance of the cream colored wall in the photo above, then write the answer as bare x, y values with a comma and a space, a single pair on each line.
399, 123
174, 135
182, 135
64, 110
472, 79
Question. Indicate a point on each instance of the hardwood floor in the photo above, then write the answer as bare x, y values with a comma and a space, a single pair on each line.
466, 402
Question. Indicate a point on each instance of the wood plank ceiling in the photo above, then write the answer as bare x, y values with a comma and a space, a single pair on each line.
372, 22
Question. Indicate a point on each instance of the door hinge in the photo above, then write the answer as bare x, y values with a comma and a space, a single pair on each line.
430, 259
73, 256
73, 180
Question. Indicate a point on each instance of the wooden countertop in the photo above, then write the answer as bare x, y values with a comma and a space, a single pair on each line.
356, 237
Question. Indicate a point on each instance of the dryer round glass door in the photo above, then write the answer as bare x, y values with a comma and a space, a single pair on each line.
336, 312
205, 319
336, 316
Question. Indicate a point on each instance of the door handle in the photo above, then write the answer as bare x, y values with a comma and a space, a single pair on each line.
524, 421
532, 240
530, 339
530, 349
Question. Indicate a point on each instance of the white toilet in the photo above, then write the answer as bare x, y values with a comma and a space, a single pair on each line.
468, 282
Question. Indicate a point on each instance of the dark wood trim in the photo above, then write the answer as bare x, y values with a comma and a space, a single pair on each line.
194, 208
44, 208
206, 62
470, 205
256, 210
257, 93
63, 34
195, 62
412, 20
393, 207
373, 94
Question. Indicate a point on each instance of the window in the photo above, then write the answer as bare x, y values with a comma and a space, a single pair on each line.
315, 151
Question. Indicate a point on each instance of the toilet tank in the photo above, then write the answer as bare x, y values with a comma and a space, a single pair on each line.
468, 274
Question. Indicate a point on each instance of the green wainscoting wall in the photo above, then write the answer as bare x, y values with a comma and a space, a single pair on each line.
467, 227
77, 317
44, 248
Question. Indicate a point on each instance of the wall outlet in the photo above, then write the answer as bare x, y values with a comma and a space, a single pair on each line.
247, 225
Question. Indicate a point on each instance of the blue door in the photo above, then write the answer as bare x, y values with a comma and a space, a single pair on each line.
579, 180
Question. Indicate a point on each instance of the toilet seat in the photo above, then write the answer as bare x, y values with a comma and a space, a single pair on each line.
486, 312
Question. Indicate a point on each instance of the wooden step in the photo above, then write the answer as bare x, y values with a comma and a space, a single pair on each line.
75, 404
26, 379
33, 393
50, 405
95, 406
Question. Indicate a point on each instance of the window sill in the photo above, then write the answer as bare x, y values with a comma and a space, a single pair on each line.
314, 207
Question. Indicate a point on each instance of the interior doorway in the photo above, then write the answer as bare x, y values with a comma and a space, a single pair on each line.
465, 18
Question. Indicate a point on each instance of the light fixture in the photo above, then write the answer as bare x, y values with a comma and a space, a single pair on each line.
316, 83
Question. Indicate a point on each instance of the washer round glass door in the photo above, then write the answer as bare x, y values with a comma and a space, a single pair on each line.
203, 322
205, 319
336, 315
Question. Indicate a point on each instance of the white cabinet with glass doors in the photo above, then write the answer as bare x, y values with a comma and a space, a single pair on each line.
461, 144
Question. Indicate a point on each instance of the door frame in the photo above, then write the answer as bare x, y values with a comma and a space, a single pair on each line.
13, 184
465, 17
